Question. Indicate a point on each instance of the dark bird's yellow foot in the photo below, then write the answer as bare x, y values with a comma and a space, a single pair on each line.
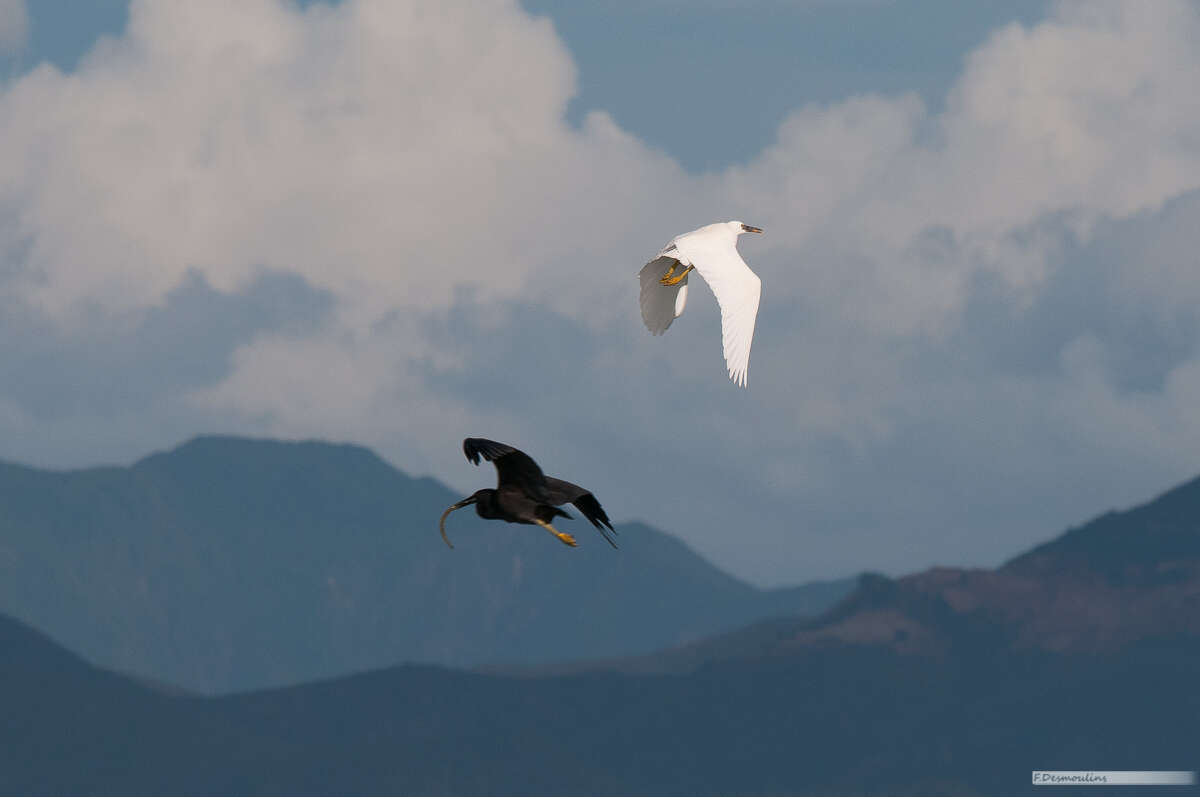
565, 539
669, 280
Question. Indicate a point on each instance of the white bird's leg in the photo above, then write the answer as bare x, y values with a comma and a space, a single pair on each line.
669, 280
565, 539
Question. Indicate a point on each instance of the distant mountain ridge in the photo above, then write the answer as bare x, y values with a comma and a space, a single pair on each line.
231, 563
1123, 578
1163, 530
947, 683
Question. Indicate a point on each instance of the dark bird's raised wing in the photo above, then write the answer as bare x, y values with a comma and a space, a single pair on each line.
561, 492
513, 467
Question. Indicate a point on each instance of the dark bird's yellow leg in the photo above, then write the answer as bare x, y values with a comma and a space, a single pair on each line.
669, 280
565, 539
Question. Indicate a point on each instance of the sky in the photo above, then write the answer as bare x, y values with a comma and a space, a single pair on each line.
401, 223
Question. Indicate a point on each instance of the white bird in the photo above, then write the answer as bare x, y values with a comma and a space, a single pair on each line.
712, 252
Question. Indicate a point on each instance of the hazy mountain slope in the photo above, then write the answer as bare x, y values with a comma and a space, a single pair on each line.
843, 719
951, 683
1163, 530
1123, 578
230, 563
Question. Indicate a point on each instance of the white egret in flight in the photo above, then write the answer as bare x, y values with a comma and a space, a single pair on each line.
712, 252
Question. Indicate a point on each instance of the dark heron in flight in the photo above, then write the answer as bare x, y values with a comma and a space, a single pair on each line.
525, 494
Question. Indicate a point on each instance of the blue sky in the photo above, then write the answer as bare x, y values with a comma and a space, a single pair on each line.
649, 63
402, 223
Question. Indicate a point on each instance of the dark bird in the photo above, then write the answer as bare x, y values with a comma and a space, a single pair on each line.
525, 494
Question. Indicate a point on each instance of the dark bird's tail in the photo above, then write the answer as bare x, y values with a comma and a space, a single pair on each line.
591, 509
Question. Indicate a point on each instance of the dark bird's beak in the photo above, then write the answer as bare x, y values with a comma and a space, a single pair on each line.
748, 228
442, 522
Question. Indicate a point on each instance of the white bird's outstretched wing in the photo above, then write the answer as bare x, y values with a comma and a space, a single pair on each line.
737, 289
661, 304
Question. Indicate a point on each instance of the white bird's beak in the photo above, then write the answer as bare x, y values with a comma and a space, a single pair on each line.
748, 228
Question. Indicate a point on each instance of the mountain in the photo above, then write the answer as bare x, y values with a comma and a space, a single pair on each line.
950, 683
235, 564
1118, 544
1121, 579
840, 720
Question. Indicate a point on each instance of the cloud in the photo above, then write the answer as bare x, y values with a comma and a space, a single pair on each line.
232, 136
976, 325
133, 370
14, 26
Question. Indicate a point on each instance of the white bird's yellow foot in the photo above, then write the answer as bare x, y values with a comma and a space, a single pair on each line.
667, 279
565, 539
